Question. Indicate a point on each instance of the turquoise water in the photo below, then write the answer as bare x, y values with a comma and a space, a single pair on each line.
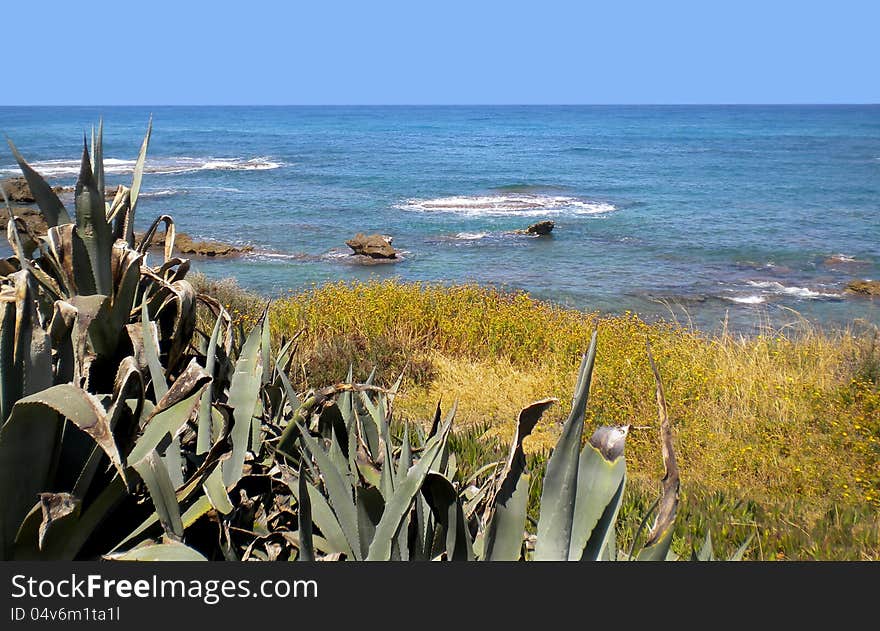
698, 213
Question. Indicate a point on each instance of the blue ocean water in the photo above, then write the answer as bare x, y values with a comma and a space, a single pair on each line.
701, 213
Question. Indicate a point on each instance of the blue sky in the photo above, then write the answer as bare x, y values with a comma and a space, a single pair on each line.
424, 52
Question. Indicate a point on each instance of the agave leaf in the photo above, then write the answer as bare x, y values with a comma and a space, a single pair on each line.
136, 179
398, 505
601, 475
172, 411
129, 384
173, 461
265, 347
181, 300
339, 491
244, 390
602, 545
405, 458
370, 505
203, 438
338, 458
108, 499
11, 385
741, 551
216, 492
323, 517
126, 270
44, 531
154, 474
446, 508
304, 519
170, 236
660, 538
150, 339
92, 226
170, 551
706, 553
507, 520
29, 442
560, 481
368, 429
52, 209
98, 156
85, 411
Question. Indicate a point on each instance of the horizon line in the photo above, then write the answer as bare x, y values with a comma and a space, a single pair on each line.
622, 104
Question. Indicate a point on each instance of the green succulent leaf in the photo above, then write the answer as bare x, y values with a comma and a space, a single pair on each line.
504, 535
398, 504
601, 477
171, 551
560, 481
243, 396
339, 491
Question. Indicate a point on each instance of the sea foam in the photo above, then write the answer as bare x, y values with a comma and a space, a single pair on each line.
159, 166
528, 205
774, 287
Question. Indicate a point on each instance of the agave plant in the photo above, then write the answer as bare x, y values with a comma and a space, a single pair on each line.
103, 372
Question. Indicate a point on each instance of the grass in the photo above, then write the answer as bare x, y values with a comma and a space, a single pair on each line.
777, 434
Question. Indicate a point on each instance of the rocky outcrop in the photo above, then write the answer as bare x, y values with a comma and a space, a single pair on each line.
18, 191
29, 215
864, 287
185, 244
375, 246
540, 229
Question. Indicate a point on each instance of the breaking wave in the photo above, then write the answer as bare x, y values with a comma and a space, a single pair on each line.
525, 205
159, 166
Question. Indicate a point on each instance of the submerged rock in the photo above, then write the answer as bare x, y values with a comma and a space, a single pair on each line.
842, 259
864, 287
374, 246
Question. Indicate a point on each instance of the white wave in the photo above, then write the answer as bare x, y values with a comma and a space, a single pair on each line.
168, 192
746, 300
797, 292
843, 258
159, 166
471, 236
527, 205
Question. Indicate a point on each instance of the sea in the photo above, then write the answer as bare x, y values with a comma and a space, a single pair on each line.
742, 217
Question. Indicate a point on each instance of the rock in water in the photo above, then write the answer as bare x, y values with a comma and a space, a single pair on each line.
17, 190
185, 244
864, 287
29, 215
541, 228
376, 246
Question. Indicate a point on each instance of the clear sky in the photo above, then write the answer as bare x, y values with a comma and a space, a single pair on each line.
154, 52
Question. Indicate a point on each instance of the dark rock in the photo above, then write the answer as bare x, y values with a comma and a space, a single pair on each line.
541, 228
17, 190
864, 287
376, 246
